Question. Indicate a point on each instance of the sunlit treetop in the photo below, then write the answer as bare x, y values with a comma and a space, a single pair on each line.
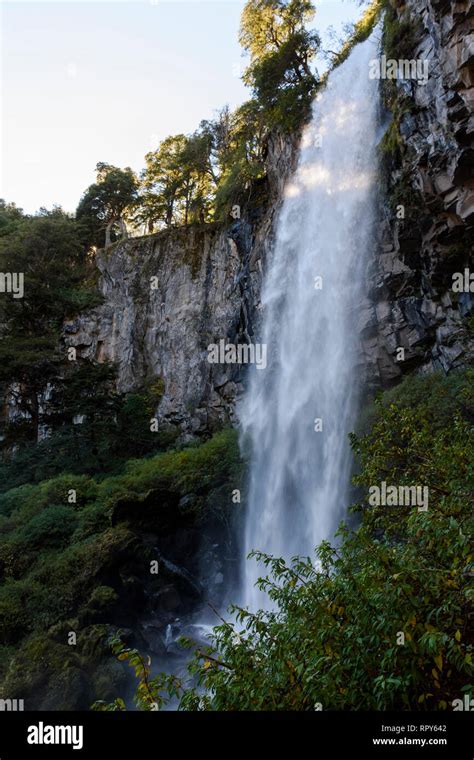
266, 25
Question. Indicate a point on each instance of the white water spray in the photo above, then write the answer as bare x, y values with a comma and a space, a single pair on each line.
299, 410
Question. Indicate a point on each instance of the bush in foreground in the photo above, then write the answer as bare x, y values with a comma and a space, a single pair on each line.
380, 620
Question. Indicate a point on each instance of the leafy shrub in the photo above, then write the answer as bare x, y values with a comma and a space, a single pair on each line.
13, 609
194, 468
10, 500
51, 527
381, 619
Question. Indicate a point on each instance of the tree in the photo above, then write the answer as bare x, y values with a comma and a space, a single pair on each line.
218, 134
242, 155
267, 25
199, 178
105, 203
161, 182
10, 216
47, 251
274, 34
178, 179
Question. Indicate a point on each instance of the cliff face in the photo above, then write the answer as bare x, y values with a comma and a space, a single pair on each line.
168, 296
207, 279
430, 174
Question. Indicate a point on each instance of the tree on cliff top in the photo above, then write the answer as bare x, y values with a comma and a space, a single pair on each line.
267, 25
103, 205
178, 180
274, 34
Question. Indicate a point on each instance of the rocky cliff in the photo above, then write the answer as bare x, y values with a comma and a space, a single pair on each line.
168, 296
427, 198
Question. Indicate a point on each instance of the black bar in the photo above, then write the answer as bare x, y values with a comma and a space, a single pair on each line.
149, 735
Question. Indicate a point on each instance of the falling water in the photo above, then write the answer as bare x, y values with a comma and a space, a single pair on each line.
300, 474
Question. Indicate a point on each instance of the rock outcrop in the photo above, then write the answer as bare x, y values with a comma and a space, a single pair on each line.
429, 180
168, 296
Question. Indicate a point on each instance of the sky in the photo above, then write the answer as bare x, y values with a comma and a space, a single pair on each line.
88, 81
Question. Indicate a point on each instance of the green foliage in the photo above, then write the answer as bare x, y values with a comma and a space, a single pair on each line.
333, 639
56, 557
10, 217
47, 250
60, 568
392, 147
281, 48
266, 25
152, 693
361, 31
51, 527
285, 98
102, 597
49, 672
198, 178
191, 469
115, 428
243, 163
399, 41
177, 180
105, 204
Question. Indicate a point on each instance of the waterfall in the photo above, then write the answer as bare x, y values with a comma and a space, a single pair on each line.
297, 412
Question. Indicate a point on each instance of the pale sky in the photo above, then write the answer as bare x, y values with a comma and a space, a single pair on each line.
91, 81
